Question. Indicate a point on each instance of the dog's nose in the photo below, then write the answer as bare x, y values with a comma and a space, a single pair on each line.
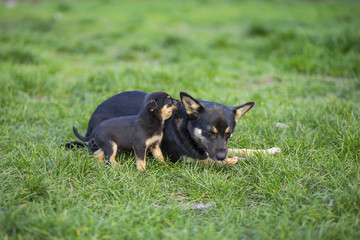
220, 155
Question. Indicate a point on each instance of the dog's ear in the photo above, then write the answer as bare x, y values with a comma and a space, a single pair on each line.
191, 105
152, 105
241, 110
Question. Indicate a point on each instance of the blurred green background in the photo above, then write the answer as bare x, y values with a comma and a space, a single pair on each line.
298, 60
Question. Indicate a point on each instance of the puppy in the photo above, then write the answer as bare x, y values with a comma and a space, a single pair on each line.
139, 132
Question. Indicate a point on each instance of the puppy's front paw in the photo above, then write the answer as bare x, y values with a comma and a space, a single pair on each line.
141, 165
274, 150
115, 164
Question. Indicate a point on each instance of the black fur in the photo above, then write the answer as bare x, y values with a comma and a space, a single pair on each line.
189, 132
130, 132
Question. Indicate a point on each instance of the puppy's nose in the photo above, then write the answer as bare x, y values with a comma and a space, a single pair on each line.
177, 103
220, 155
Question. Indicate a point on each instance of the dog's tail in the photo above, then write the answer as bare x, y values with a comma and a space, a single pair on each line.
82, 138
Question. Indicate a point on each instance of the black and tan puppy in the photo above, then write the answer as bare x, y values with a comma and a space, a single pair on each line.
139, 132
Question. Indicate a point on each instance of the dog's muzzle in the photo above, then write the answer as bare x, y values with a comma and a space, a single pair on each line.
220, 156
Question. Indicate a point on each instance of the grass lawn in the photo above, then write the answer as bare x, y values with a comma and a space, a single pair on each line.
299, 61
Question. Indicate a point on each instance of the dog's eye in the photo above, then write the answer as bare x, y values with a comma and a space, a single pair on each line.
169, 102
212, 134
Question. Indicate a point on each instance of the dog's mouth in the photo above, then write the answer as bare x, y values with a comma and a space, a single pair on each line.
216, 159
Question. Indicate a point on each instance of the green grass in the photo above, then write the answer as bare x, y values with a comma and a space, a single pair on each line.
300, 62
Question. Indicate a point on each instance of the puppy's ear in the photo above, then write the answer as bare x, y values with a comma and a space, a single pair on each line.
191, 105
241, 110
152, 105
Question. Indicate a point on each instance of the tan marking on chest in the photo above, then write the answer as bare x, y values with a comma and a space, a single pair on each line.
153, 139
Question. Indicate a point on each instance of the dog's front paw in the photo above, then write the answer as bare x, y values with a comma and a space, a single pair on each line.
232, 160
274, 150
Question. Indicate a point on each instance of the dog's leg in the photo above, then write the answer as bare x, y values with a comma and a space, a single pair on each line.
233, 160
210, 162
157, 153
140, 152
249, 152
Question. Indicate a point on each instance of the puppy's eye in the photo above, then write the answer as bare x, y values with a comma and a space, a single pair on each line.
169, 102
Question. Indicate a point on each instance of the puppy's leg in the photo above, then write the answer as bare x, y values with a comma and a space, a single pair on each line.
249, 152
99, 154
157, 153
110, 150
141, 163
140, 152
112, 156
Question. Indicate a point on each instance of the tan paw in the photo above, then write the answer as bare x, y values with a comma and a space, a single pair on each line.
232, 160
141, 166
118, 165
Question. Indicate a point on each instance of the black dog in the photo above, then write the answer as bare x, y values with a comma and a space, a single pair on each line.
199, 130
139, 132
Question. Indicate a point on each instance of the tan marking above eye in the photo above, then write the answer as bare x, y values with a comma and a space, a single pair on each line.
168, 97
213, 130
227, 130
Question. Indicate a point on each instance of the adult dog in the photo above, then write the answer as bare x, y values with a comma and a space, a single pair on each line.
199, 130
